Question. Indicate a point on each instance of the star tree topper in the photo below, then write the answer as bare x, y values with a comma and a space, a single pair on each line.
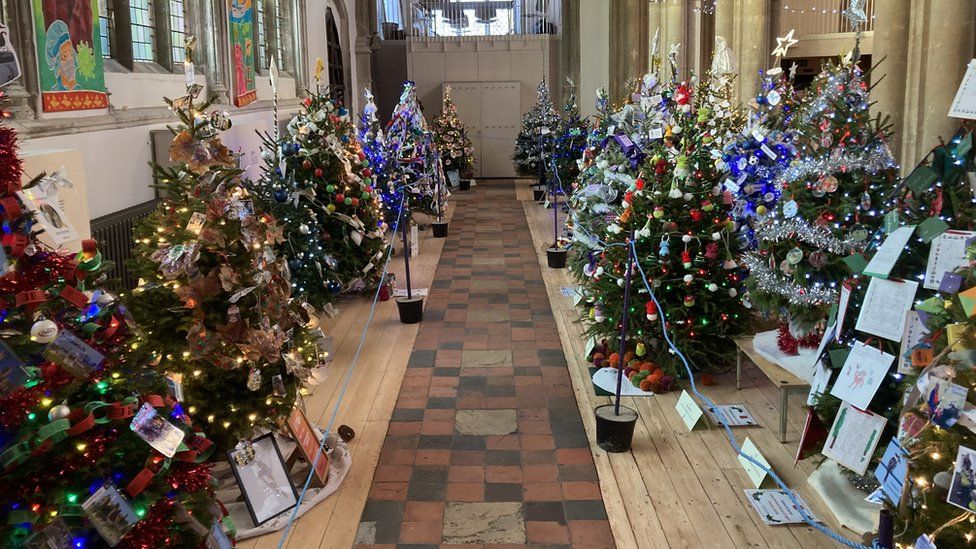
855, 14
783, 45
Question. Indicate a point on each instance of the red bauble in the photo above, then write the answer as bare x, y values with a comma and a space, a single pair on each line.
367, 172
361, 155
340, 197
355, 202
639, 184
318, 172
307, 164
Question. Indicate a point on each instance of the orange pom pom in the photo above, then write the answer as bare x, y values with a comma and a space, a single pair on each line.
628, 356
614, 360
646, 367
645, 385
631, 375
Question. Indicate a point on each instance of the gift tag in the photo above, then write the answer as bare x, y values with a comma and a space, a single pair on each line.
73, 355
153, 428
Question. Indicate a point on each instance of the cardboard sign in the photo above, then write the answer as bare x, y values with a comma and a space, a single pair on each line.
689, 411
308, 443
964, 104
757, 474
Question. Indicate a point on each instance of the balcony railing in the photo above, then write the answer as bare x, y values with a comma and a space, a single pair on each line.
820, 16
416, 18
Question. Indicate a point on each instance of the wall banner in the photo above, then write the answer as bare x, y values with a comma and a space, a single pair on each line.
69, 55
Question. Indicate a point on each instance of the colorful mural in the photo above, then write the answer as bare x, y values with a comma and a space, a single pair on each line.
242, 51
69, 55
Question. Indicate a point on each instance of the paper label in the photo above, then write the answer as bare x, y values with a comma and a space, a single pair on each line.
947, 253
889, 252
885, 305
756, 473
964, 103
689, 411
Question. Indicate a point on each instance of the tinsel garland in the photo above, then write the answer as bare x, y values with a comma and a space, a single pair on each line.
11, 168
192, 478
773, 283
774, 230
153, 530
790, 344
872, 160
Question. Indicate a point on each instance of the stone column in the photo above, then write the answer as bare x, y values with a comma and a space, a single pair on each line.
654, 27
751, 43
891, 31
569, 46
725, 21
941, 45
367, 41
673, 32
23, 92
628, 43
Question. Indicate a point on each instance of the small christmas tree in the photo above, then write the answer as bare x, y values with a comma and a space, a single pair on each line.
373, 143
534, 144
570, 140
319, 187
451, 138
832, 199
231, 335
412, 157
77, 406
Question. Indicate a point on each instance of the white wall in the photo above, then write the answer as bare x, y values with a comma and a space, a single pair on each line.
594, 51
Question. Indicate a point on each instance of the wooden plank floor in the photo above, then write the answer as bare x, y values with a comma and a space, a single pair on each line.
677, 488
368, 404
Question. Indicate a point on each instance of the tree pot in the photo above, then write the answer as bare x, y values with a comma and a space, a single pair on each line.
464, 185
615, 433
538, 194
556, 257
411, 309
440, 228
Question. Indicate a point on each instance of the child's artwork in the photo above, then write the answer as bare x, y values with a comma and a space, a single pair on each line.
962, 492
853, 437
862, 374
945, 401
242, 51
69, 55
892, 471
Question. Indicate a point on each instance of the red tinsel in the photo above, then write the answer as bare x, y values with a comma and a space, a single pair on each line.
15, 407
153, 530
192, 478
790, 345
11, 168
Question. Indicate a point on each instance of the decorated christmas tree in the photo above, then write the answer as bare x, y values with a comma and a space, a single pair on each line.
373, 143
318, 184
95, 450
451, 138
682, 236
534, 144
570, 139
832, 198
411, 155
214, 304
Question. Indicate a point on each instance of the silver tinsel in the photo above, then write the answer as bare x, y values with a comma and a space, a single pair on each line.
775, 230
771, 282
871, 160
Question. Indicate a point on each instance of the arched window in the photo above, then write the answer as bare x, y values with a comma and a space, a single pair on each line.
337, 81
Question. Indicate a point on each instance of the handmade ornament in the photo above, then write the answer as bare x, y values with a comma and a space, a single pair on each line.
689, 301
44, 331
254, 379
651, 309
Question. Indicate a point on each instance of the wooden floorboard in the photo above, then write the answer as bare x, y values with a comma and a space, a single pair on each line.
678, 488
368, 403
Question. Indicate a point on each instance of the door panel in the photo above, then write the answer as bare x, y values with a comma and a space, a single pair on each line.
491, 112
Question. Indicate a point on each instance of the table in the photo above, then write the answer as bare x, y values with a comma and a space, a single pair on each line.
786, 382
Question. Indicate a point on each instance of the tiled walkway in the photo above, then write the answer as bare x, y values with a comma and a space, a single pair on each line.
486, 447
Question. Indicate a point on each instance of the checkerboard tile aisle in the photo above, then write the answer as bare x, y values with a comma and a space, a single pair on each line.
486, 447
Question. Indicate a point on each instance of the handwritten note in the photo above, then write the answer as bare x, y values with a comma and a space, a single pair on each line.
862, 374
948, 253
889, 252
914, 331
885, 305
853, 437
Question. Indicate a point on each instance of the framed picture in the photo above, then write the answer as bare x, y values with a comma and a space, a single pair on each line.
264, 480
308, 444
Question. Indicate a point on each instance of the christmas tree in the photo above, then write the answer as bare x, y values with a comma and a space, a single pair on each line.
759, 154
317, 184
95, 451
373, 143
570, 139
451, 138
231, 335
534, 144
411, 155
681, 231
832, 199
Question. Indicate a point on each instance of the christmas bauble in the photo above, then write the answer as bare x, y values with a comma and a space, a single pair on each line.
304, 229
280, 195
713, 287
689, 301
818, 259
790, 209
294, 264
44, 331
60, 411
794, 256
829, 184
330, 188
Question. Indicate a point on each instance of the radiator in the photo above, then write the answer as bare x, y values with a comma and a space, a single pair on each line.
114, 235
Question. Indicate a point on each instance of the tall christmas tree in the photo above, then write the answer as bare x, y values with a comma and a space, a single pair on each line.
411, 155
570, 139
231, 335
832, 201
682, 234
81, 416
373, 143
534, 144
318, 184
451, 138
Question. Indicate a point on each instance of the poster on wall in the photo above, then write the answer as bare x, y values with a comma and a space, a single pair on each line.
9, 65
69, 55
242, 49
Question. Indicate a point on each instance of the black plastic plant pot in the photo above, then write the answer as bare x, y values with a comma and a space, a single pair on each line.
615, 433
556, 257
440, 228
538, 194
411, 309
464, 185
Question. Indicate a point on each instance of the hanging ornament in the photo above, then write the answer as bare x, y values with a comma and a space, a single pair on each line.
665, 248
60, 411
818, 259
761, 210
859, 233
713, 287
786, 267
44, 331
865, 201
651, 310
829, 184
254, 379
689, 301
686, 259
688, 279
794, 256
244, 453
234, 312
304, 229
598, 313
790, 209
641, 349
658, 212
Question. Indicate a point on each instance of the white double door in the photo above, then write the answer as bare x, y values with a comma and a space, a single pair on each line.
492, 115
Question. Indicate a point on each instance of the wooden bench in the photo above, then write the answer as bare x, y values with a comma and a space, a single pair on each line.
786, 382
